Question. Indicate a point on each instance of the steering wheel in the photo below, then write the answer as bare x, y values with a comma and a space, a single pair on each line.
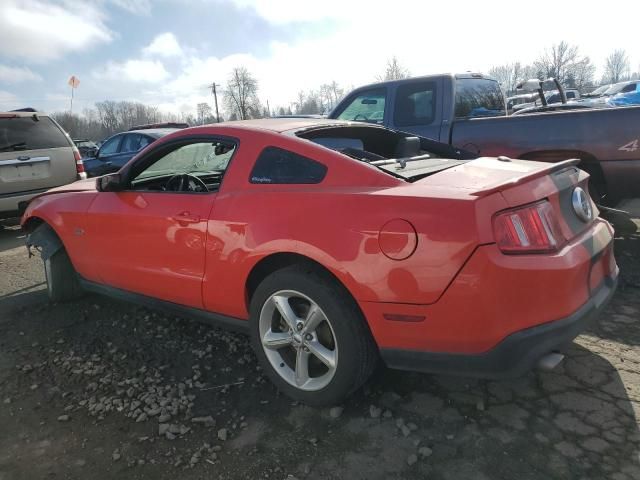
364, 117
185, 182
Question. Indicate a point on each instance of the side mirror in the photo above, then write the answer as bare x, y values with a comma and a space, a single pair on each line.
110, 183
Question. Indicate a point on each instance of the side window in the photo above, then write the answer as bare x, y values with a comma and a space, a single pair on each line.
277, 166
201, 159
130, 143
571, 94
629, 88
415, 104
367, 106
110, 146
144, 141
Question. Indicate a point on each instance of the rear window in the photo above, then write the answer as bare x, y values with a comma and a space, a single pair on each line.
476, 97
25, 133
275, 165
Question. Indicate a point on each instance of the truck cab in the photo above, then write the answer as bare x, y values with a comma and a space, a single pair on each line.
424, 105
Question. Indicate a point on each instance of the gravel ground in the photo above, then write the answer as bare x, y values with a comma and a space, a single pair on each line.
103, 389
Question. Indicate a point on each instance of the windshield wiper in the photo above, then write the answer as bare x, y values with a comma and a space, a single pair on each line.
14, 146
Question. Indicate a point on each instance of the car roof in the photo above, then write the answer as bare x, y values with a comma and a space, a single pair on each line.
457, 76
152, 132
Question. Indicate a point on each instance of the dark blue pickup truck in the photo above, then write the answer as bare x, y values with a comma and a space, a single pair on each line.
468, 111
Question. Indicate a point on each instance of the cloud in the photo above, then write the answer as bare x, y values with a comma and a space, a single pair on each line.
164, 45
35, 31
7, 100
139, 7
135, 71
17, 75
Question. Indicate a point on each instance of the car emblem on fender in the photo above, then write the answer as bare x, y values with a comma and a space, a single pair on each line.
581, 204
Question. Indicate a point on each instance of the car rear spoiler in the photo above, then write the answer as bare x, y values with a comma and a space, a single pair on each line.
543, 171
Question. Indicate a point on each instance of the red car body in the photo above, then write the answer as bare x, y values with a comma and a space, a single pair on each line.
420, 258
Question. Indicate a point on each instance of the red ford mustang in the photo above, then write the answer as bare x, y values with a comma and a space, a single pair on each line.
335, 244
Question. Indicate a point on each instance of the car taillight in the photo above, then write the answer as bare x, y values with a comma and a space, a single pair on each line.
529, 229
78, 157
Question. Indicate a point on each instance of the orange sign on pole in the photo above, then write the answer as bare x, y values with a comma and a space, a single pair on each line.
73, 83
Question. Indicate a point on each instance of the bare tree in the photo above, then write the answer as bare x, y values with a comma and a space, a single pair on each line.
241, 94
556, 62
617, 66
581, 74
393, 71
203, 111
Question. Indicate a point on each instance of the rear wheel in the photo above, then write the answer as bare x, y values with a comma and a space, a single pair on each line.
310, 336
61, 277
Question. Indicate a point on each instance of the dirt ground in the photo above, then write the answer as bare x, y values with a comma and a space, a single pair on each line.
102, 389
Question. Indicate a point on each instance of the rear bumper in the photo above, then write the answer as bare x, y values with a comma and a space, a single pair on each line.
515, 354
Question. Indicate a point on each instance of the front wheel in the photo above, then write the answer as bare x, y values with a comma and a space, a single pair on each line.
61, 277
310, 336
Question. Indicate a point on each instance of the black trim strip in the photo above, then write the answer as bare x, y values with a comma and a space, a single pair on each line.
27, 192
513, 356
211, 318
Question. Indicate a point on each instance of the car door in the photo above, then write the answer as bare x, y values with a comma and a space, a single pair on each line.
129, 147
103, 162
152, 241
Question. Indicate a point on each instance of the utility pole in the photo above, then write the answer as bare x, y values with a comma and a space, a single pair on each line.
215, 98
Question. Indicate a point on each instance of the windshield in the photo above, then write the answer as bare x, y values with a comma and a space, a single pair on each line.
617, 88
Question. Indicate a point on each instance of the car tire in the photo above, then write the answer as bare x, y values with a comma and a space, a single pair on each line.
339, 351
61, 277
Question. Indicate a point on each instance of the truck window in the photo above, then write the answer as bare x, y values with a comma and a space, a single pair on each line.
477, 97
367, 106
415, 104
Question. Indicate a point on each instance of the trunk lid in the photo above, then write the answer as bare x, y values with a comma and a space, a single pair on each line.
521, 182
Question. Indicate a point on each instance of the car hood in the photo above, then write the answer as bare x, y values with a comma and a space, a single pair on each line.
78, 186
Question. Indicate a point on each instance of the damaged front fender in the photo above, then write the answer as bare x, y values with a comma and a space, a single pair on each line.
44, 240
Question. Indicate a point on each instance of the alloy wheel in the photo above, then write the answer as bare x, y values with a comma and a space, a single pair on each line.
298, 340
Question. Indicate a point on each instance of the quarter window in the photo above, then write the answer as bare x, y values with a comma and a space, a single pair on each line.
415, 104
367, 106
278, 166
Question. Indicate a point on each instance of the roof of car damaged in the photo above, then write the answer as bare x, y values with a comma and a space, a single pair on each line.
290, 124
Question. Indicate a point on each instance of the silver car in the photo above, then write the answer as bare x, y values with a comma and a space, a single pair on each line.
35, 155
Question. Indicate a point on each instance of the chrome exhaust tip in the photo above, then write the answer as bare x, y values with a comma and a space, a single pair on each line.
550, 361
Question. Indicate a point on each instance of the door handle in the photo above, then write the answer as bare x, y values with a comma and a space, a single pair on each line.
186, 217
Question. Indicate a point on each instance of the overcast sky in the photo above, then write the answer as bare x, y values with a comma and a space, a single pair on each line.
165, 52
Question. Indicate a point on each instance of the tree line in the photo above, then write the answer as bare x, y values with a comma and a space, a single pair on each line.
241, 100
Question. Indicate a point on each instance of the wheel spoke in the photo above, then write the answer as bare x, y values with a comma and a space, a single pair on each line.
276, 340
302, 367
314, 318
282, 304
322, 353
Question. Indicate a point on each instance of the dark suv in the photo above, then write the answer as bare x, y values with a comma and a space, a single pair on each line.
117, 150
